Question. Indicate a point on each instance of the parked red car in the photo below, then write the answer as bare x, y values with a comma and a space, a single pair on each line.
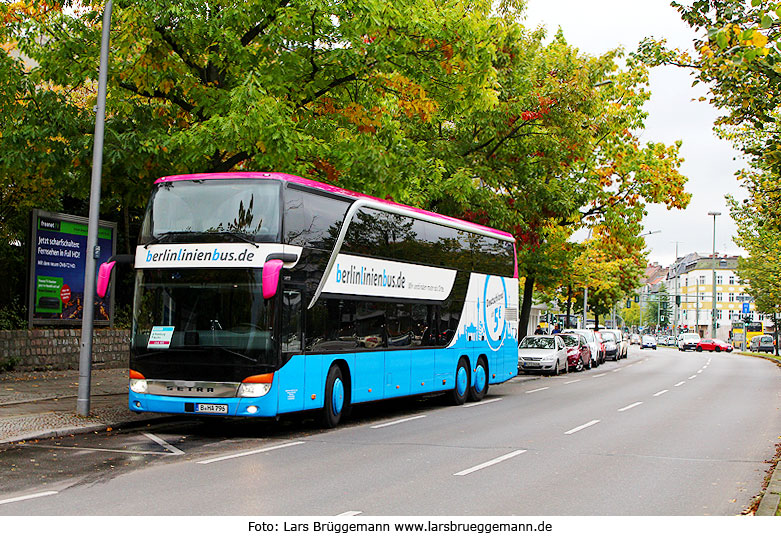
601, 347
578, 352
712, 344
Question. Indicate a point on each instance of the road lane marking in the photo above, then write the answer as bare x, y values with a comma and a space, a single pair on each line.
700, 370
574, 381
350, 513
581, 427
28, 497
617, 369
661, 392
679, 384
250, 453
692, 376
394, 422
598, 375
175, 451
489, 463
537, 390
483, 402
630, 406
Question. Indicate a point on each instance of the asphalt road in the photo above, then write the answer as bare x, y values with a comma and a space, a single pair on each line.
661, 433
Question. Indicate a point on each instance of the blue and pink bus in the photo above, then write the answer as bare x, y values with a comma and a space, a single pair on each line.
259, 294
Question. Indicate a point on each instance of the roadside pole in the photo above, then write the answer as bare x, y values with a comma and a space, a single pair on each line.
93, 251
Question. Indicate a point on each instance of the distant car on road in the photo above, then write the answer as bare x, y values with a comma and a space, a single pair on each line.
545, 354
712, 344
578, 352
634, 339
688, 341
648, 341
762, 343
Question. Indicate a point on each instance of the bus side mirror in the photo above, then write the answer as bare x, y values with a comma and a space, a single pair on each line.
104, 272
104, 277
271, 270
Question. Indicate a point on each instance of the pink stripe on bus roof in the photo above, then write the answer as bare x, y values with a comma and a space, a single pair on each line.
325, 187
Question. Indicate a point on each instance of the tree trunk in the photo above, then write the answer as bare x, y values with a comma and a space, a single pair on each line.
526, 306
596, 321
126, 218
569, 306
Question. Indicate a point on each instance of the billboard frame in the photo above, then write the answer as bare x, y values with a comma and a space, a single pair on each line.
32, 321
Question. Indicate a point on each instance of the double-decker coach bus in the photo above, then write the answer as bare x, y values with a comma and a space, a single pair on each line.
259, 294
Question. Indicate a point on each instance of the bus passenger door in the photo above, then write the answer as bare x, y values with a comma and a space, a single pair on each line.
291, 377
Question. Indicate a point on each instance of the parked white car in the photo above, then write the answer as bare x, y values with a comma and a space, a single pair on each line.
545, 354
622, 342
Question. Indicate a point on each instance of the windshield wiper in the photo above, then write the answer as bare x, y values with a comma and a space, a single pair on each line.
157, 238
239, 235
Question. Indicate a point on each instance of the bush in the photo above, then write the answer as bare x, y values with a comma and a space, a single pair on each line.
12, 316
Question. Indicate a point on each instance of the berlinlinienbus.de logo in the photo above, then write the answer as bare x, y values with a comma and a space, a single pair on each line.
188, 254
369, 277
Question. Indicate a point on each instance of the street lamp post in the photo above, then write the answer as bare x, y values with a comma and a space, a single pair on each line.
93, 252
714, 214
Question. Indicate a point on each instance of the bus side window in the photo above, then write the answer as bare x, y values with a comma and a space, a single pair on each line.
291, 320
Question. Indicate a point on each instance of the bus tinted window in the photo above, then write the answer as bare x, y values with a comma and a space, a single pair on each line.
311, 220
249, 208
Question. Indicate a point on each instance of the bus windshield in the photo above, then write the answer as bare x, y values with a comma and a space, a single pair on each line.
248, 208
216, 317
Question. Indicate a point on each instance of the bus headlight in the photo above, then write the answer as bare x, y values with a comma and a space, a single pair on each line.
138, 385
253, 390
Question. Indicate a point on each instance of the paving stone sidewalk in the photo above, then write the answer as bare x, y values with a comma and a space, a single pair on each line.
43, 404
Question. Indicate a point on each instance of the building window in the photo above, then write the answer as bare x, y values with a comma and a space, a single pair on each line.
686, 281
732, 297
702, 279
732, 279
719, 280
718, 314
719, 297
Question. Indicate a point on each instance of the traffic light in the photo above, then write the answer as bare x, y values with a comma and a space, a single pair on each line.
637, 298
629, 303
678, 300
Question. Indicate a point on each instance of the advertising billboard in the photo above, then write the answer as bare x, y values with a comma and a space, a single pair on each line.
58, 253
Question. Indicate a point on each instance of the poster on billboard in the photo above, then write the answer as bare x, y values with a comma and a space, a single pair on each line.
58, 253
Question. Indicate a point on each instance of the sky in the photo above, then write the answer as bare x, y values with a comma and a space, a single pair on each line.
597, 26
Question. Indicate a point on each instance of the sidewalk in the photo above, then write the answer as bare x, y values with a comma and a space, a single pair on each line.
43, 404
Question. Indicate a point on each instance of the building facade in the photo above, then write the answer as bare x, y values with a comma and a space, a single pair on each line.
691, 278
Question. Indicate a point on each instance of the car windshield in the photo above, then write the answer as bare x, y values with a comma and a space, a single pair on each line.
570, 340
608, 337
536, 342
588, 335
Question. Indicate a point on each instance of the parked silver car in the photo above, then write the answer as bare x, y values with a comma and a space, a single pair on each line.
622, 341
545, 354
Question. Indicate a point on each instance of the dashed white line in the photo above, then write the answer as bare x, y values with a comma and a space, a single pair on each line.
175, 451
679, 384
598, 375
350, 513
581, 427
617, 369
700, 370
489, 463
573, 381
630, 406
393, 423
250, 453
28, 497
483, 402
692, 376
661, 392
537, 390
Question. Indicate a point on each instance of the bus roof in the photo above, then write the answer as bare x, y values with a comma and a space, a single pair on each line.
328, 188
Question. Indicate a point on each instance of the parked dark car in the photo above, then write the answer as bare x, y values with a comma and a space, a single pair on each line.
762, 343
610, 344
578, 352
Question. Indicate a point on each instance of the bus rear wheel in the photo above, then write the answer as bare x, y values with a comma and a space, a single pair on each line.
460, 391
335, 398
479, 389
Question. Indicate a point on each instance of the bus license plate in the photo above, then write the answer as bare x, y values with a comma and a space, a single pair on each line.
211, 408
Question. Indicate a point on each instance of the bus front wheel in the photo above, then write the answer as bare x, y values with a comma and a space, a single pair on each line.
335, 397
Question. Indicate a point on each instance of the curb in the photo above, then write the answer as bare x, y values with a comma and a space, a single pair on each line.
772, 497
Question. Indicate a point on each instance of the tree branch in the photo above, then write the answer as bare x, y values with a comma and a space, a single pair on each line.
254, 32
